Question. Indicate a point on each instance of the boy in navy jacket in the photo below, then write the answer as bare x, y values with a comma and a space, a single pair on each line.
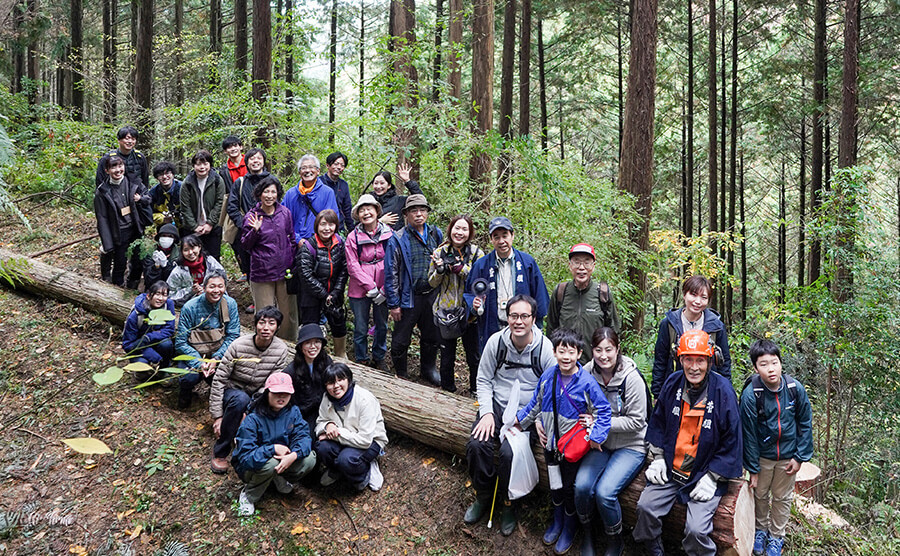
777, 420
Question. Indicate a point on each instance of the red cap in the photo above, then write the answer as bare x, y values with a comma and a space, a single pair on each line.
280, 383
582, 249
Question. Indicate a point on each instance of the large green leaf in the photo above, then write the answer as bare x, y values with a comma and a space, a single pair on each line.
87, 445
138, 367
159, 316
110, 376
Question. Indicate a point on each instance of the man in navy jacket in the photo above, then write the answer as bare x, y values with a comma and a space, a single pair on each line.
694, 435
508, 272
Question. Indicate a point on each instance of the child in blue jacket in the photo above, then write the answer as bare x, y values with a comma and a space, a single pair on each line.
272, 445
578, 401
145, 342
777, 420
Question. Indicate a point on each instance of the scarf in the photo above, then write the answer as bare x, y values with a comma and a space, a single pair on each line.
343, 402
197, 269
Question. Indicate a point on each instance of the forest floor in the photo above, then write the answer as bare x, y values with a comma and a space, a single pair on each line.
156, 487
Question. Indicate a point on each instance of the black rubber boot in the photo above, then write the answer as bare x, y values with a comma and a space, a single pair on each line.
614, 545
401, 365
587, 537
428, 364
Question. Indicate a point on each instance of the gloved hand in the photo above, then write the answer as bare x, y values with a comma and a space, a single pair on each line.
705, 489
379, 298
372, 293
656, 473
160, 259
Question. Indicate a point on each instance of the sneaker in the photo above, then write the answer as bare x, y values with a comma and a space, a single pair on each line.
245, 506
774, 546
376, 479
328, 478
250, 309
219, 466
282, 485
759, 542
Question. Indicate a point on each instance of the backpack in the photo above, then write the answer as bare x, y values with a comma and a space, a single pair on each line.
646, 392
535, 365
607, 307
759, 389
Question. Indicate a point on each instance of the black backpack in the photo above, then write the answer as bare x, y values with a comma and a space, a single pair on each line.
646, 392
604, 297
535, 365
759, 389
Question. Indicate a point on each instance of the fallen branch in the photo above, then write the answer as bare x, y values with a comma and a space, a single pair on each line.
66, 244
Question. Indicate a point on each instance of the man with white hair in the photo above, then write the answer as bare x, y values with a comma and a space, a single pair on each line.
308, 198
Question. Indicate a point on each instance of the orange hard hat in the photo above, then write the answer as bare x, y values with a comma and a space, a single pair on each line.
695, 342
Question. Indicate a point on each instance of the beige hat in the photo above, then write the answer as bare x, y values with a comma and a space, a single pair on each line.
365, 199
416, 200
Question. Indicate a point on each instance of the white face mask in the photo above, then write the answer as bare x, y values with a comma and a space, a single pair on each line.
165, 242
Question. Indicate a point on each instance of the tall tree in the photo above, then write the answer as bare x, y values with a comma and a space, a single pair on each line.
332, 73
437, 62
732, 182
143, 66
262, 49
689, 216
403, 37
240, 38
289, 44
455, 55
362, 65
542, 84
636, 166
18, 20
713, 186
816, 184
847, 144
110, 80
782, 233
482, 94
77, 19
215, 37
32, 58
507, 67
525, 70
179, 52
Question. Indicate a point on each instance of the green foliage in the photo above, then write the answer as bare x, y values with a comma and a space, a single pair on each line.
164, 455
14, 271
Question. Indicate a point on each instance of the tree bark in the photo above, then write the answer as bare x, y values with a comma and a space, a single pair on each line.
743, 248
18, 19
843, 281
816, 183
782, 235
525, 70
262, 49
362, 65
507, 68
289, 42
179, 49
143, 66
404, 41
455, 55
713, 186
215, 38
732, 180
431, 416
32, 57
240, 38
437, 62
482, 96
801, 239
542, 85
690, 124
332, 73
77, 19
636, 167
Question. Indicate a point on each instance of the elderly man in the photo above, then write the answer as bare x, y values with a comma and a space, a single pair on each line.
694, 436
582, 304
310, 197
247, 364
409, 295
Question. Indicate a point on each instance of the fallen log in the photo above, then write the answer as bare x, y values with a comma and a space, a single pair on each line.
431, 416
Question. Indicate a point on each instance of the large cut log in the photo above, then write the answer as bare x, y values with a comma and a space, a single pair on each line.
429, 415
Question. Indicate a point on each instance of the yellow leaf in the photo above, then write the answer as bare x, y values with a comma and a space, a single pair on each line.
136, 533
162, 430
91, 466
299, 529
468, 483
200, 426
87, 445
77, 549
105, 356
427, 461
395, 521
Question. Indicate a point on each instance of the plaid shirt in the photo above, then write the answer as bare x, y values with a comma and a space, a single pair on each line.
420, 256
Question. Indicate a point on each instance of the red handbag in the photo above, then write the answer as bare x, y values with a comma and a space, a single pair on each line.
574, 444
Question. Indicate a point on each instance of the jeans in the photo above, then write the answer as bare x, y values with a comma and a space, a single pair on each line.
160, 353
187, 381
234, 405
351, 463
601, 477
361, 307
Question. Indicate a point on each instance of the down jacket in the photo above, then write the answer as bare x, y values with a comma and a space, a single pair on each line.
322, 270
239, 370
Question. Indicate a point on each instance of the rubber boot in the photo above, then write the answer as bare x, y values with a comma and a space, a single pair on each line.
567, 535
478, 508
340, 347
508, 518
655, 547
552, 532
614, 543
587, 537
428, 364
401, 365
448, 378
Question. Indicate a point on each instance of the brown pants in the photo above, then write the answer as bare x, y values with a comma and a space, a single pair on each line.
773, 482
275, 293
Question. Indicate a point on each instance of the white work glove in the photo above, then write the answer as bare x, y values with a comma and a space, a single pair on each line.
656, 473
705, 489
160, 259
379, 298
372, 293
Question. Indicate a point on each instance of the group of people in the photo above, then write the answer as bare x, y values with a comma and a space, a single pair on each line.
585, 404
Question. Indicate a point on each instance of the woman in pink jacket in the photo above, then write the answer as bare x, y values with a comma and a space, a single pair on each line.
365, 247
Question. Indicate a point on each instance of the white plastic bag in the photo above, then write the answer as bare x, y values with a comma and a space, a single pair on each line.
523, 474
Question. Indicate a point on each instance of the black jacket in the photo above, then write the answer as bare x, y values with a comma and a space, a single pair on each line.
391, 202
308, 390
108, 205
322, 274
240, 197
136, 167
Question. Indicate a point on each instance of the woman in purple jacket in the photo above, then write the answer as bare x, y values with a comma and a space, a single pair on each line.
268, 235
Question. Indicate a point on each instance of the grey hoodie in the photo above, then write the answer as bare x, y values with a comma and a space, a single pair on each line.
495, 384
629, 419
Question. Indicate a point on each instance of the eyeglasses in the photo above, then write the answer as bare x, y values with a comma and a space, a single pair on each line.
304, 168
582, 264
517, 317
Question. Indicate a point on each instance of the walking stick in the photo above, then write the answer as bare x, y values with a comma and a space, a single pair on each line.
493, 502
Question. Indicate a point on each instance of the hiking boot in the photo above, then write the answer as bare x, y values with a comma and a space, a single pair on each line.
282, 485
759, 542
567, 535
185, 395
553, 531
132, 284
380, 365
219, 466
507, 519
400, 365
245, 506
774, 546
477, 509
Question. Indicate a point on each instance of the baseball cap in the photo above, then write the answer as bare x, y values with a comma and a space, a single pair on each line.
582, 249
280, 383
499, 222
